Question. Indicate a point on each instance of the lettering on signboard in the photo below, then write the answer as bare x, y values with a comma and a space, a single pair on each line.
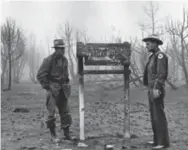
98, 54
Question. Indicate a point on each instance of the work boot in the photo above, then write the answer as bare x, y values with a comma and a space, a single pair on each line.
158, 147
67, 133
152, 143
54, 138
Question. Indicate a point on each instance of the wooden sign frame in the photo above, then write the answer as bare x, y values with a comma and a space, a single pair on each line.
108, 54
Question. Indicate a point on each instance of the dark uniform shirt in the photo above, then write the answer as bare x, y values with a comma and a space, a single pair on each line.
156, 70
149, 70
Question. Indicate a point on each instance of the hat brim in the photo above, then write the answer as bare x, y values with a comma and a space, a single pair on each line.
153, 40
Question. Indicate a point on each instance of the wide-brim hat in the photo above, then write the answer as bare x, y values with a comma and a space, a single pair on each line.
153, 38
59, 43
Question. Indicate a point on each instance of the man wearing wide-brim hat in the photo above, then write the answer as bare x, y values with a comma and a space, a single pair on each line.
155, 75
54, 78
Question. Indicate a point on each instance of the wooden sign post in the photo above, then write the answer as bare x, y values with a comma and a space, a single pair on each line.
81, 96
110, 54
126, 103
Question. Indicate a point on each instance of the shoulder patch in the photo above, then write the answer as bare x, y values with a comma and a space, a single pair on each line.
160, 56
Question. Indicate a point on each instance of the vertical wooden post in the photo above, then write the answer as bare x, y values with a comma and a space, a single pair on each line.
126, 103
81, 96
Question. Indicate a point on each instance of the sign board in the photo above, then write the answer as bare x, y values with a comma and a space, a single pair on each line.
104, 54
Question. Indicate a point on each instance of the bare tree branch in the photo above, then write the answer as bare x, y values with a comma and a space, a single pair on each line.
178, 32
10, 37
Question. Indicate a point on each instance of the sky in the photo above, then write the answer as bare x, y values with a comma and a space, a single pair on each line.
99, 19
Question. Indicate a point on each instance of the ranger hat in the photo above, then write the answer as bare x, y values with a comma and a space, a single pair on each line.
58, 43
153, 38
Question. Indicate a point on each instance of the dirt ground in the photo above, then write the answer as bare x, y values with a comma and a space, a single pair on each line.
103, 118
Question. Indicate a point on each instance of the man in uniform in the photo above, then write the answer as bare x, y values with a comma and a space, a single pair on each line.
54, 78
155, 74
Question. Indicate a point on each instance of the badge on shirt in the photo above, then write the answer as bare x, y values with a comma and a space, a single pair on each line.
160, 56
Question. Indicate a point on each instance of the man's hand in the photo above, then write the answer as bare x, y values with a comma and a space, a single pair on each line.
46, 87
156, 93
